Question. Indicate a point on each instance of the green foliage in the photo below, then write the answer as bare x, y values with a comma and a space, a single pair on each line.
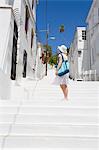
53, 60
48, 48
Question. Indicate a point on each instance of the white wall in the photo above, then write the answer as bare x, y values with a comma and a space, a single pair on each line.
6, 42
93, 37
24, 41
6, 30
76, 61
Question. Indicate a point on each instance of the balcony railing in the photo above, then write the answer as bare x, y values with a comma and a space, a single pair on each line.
89, 75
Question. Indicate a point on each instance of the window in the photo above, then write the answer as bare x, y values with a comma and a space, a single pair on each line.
32, 4
27, 19
79, 53
83, 35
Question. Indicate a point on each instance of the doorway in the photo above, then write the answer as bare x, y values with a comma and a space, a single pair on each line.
24, 63
14, 52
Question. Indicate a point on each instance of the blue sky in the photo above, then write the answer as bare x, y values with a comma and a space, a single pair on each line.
71, 13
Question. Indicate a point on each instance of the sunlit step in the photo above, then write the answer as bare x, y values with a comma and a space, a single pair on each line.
55, 130
58, 110
29, 119
51, 142
50, 110
79, 102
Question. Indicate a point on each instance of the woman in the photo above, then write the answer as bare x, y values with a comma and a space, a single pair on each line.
62, 80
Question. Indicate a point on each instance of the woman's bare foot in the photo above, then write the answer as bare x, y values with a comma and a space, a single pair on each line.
66, 98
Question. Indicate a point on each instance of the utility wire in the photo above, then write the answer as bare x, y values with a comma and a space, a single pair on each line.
46, 24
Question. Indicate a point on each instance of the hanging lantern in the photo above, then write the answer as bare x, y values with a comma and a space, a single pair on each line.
61, 29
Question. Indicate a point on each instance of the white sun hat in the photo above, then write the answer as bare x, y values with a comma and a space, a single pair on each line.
62, 48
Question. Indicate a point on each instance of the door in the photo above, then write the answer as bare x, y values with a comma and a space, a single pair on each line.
14, 52
24, 63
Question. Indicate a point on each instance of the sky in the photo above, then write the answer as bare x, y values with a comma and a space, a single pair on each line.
71, 13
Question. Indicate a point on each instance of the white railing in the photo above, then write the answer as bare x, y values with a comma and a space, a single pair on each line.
89, 75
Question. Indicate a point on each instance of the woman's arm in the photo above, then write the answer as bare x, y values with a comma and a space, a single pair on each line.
59, 64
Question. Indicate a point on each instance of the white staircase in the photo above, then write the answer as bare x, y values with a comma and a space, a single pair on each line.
46, 122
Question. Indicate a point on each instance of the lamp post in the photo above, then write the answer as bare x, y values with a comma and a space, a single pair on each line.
48, 38
47, 35
46, 49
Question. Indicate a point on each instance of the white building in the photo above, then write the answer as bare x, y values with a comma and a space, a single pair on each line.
92, 56
40, 67
77, 48
25, 14
18, 43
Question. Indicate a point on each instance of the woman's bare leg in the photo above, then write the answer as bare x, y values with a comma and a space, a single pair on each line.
65, 91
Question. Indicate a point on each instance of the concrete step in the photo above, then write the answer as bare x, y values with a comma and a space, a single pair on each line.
8, 109
75, 102
50, 110
45, 118
60, 97
51, 149
51, 142
5, 103
61, 110
7, 118
49, 130
71, 89
55, 130
61, 102
4, 129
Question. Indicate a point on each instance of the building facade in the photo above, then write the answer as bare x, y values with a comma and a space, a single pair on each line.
25, 14
92, 55
77, 48
7, 27
18, 41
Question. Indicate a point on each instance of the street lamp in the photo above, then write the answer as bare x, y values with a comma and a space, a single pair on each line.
52, 38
